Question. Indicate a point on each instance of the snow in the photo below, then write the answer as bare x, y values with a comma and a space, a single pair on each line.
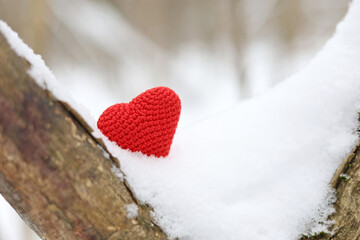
345, 177
259, 170
132, 210
118, 173
10, 221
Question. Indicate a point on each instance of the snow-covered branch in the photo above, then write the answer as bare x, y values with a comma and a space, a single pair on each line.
52, 171
258, 171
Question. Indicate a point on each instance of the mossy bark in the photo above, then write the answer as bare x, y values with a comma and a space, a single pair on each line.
53, 172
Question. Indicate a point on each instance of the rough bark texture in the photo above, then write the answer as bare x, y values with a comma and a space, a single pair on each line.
347, 214
53, 172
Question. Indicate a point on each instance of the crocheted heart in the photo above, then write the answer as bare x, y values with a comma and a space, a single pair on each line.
146, 124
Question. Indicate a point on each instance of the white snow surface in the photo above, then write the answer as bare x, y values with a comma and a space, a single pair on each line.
132, 210
260, 170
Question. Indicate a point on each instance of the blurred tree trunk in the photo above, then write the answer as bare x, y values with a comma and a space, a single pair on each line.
53, 172
239, 38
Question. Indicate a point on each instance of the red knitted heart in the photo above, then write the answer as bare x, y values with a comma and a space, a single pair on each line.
146, 124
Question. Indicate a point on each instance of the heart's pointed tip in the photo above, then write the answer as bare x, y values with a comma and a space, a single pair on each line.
146, 124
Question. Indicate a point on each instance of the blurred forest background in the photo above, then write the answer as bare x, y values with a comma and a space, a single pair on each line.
213, 53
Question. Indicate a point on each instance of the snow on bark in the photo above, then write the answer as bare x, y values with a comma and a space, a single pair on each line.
260, 170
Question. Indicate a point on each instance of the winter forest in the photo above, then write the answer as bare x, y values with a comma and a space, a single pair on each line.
269, 96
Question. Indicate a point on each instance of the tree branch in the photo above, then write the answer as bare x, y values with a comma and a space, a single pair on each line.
347, 216
52, 171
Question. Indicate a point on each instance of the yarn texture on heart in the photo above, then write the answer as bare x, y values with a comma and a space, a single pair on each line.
146, 124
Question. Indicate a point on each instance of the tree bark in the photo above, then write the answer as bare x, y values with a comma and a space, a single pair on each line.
53, 172
347, 216
346, 182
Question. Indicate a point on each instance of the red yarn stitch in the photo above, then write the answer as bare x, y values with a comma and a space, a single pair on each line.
147, 123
